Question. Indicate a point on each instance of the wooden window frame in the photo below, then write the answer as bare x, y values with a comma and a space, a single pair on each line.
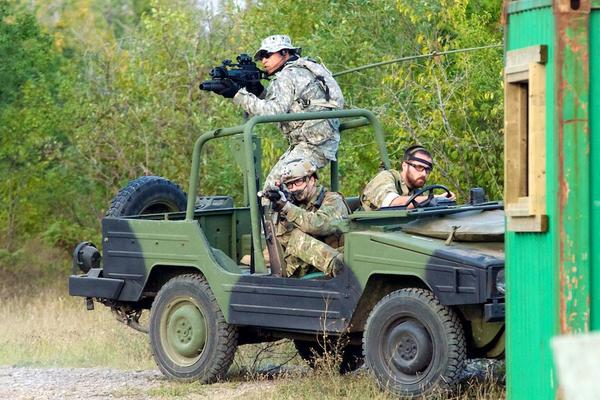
525, 139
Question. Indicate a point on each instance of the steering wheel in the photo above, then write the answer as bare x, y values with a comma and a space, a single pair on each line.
431, 200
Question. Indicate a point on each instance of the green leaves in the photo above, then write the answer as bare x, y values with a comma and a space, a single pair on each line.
93, 94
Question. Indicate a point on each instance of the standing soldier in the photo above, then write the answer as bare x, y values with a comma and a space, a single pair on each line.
308, 223
298, 84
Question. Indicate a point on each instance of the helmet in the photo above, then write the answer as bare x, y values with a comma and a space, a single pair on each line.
274, 43
297, 169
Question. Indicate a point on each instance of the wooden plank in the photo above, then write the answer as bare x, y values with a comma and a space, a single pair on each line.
537, 139
518, 62
515, 142
532, 223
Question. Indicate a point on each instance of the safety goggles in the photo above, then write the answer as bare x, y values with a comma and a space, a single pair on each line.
295, 182
420, 168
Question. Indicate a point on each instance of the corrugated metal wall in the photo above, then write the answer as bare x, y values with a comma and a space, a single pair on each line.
552, 276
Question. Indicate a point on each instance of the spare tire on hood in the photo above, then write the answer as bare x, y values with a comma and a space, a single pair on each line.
147, 195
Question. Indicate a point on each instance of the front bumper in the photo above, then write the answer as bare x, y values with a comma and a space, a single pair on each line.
494, 312
92, 285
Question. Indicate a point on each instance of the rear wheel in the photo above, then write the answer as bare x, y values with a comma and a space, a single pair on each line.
189, 337
413, 344
147, 195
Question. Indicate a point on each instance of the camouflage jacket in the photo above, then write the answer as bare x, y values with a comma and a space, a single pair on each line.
301, 86
319, 217
382, 189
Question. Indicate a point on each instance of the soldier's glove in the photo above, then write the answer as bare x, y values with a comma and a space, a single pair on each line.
230, 88
276, 196
256, 88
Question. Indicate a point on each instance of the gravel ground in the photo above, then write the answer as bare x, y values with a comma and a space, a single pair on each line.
26, 383
75, 383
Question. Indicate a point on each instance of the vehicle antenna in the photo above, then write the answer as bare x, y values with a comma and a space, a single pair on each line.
416, 57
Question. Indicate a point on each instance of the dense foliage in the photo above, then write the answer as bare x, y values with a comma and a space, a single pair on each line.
94, 93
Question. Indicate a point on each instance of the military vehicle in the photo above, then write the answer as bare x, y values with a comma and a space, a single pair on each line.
421, 291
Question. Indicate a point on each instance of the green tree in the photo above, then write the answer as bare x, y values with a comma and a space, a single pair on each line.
36, 156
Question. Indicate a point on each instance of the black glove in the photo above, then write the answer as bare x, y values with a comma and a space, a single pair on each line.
277, 198
256, 88
230, 88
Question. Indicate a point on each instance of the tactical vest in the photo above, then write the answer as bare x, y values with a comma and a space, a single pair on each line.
334, 99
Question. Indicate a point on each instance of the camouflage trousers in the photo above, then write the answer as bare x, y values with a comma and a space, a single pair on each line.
302, 252
301, 151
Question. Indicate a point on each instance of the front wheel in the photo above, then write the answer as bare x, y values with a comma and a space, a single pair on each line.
189, 337
413, 344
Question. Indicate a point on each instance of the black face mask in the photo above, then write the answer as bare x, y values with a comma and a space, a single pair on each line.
296, 195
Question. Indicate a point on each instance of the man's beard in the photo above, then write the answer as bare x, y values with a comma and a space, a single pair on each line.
416, 183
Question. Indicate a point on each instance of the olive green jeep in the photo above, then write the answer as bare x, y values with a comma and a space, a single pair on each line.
422, 289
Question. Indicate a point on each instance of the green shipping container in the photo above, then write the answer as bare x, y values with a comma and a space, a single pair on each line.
552, 176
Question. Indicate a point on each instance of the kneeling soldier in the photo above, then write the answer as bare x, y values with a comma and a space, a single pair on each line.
307, 226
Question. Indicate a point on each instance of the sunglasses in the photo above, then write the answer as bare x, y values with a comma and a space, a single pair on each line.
420, 168
263, 54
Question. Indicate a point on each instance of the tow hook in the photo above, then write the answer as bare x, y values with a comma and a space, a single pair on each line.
130, 317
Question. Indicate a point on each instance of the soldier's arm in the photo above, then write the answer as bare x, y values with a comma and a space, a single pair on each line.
401, 200
322, 222
379, 192
278, 100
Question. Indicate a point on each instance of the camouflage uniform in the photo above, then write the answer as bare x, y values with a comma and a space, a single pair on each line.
300, 86
309, 232
382, 189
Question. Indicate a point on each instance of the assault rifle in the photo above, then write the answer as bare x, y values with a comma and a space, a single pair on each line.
245, 73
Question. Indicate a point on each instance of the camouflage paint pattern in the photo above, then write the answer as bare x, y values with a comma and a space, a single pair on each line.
383, 184
145, 251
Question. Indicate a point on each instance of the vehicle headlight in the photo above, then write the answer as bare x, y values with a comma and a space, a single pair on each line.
500, 282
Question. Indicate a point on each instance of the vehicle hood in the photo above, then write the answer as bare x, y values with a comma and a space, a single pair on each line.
480, 254
470, 226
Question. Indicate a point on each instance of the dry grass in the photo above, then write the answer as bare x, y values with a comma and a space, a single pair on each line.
54, 329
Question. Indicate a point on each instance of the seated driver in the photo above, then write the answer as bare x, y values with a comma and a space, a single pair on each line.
307, 223
391, 188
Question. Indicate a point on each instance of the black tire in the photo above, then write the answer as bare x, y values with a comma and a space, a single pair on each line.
349, 356
147, 195
413, 344
189, 337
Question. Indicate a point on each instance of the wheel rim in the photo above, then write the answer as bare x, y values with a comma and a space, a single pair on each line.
408, 348
183, 329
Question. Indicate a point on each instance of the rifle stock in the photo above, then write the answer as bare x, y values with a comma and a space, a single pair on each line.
276, 259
